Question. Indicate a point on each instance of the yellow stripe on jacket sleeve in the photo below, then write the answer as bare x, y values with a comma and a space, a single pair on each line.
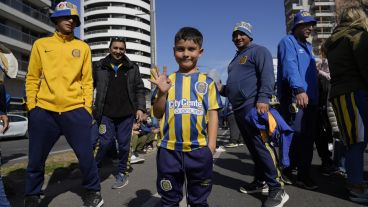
171, 116
347, 120
185, 117
201, 138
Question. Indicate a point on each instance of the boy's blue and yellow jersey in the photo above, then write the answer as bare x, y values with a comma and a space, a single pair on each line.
184, 124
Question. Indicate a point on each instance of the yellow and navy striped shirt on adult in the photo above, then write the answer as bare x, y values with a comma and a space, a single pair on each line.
184, 124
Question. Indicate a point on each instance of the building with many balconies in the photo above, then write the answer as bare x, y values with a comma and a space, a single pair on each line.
131, 19
325, 13
21, 23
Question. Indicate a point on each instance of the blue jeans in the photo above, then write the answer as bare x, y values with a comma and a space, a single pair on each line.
3, 200
355, 162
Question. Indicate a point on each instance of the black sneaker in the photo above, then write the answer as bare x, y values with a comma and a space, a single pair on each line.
276, 198
307, 183
287, 176
92, 199
32, 201
255, 187
329, 169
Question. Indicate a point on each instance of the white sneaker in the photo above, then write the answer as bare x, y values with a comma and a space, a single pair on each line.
220, 149
134, 159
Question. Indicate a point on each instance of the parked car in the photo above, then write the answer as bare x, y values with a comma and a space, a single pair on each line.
17, 105
18, 127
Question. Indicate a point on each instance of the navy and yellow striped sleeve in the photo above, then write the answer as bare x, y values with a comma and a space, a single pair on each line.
214, 98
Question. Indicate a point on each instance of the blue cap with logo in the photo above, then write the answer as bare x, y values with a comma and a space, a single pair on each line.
65, 8
244, 27
303, 17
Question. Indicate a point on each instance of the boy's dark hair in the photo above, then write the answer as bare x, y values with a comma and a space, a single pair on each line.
117, 39
189, 33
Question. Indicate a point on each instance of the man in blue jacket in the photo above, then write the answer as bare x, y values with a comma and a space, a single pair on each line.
297, 87
250, 85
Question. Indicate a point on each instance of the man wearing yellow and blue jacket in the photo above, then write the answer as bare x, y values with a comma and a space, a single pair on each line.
59, 90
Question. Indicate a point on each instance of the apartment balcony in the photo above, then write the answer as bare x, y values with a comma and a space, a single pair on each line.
41, 3
323, 3
115, 32
132, 2
27, 10
129, 46
328, 24
116, 21
16, 36
323, 35
116, 10
324, 13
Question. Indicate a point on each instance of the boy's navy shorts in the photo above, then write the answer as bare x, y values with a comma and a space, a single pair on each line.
172, 169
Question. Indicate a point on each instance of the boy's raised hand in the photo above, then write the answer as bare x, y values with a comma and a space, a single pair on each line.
160, 79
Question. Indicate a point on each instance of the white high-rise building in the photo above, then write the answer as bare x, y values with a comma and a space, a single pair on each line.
131, 19
21, 23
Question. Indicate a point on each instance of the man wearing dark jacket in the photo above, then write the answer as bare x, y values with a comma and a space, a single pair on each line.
120, 98
250, 85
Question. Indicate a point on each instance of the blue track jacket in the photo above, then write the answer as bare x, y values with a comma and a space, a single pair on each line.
276, 131
296, 69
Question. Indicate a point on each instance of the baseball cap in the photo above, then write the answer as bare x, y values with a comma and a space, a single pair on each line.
303, 17
244, 27
65, 8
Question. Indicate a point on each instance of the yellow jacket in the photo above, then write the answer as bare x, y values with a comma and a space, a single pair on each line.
59, 74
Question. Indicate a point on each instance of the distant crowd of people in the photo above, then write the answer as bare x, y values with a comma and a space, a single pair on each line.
101, 108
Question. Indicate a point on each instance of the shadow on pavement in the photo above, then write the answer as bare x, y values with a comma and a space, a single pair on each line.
329, 185
62, 180
235, 165
236, 161
14, 187
142, 196
241, 155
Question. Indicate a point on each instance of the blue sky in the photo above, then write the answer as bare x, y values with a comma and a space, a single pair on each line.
215, 19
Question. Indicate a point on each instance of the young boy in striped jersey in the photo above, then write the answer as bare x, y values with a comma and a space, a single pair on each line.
186, 104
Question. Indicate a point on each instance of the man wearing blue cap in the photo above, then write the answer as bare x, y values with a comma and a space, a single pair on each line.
249, 87
297, 87
59, 90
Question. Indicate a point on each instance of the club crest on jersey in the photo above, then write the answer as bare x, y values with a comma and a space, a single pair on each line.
243, 60
201, 87
76, 53
102, 129
165, 185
